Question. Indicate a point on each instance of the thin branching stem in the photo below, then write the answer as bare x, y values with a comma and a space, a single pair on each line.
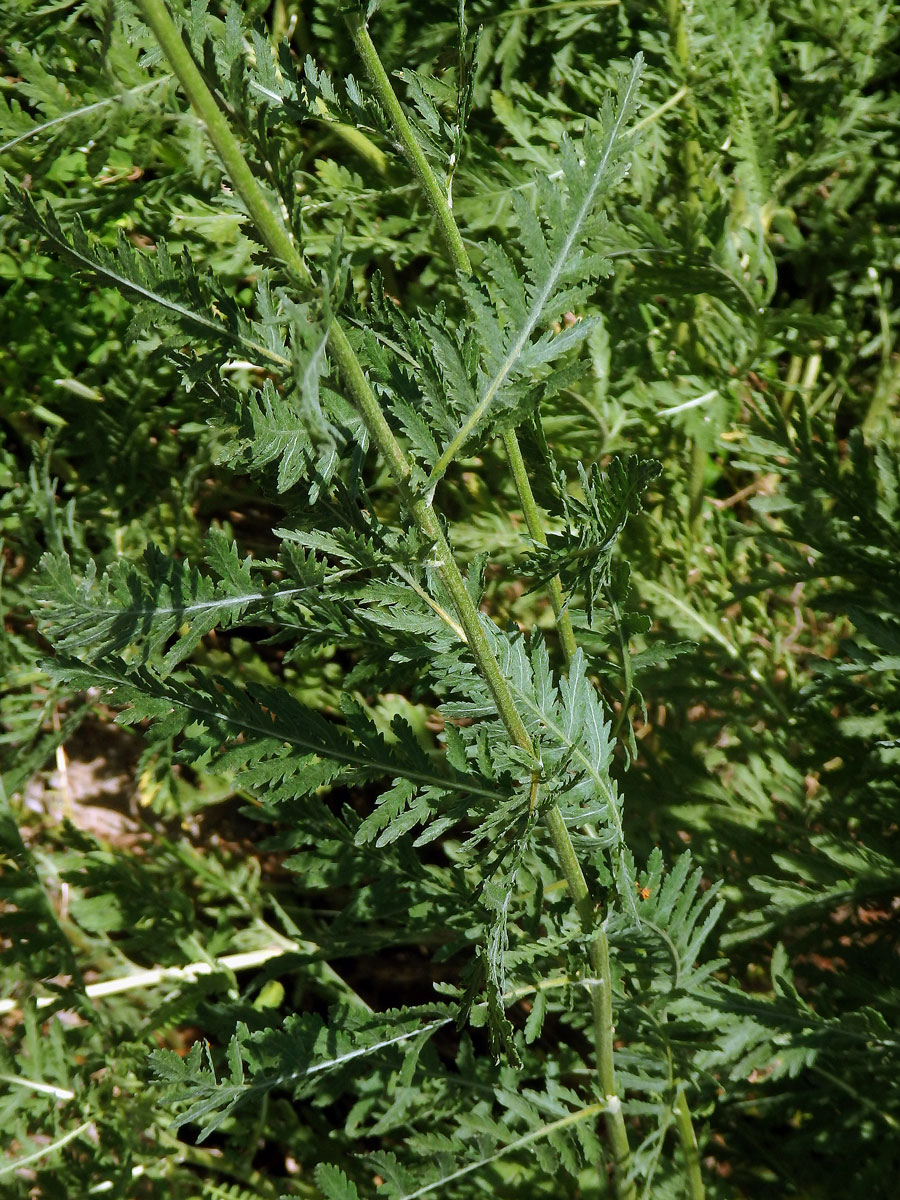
538, 534
459, 257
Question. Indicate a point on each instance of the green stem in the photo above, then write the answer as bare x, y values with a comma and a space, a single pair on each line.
537, 533
360, 144
627, 668
888, 376
697, 482
693, 200
434, 193
425, 518
688, 1139
791, 381
269, 225
601, 1001
691, 154
277, 239
601, 991
693, 207
460, 259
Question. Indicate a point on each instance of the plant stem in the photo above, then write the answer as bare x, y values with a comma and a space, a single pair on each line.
360, 144
627, 668
409, 144
691, 155
538, 534
693, 200
889, 375
790, 383
601, 1002
278, 240
693, 208
688, 1139
601, 993
268, 224
697, 482
275, 235
456, 249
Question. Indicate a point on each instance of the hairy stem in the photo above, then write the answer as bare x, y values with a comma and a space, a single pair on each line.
888, 376
268, 224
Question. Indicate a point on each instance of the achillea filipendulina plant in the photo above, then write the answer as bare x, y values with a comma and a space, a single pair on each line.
443, 762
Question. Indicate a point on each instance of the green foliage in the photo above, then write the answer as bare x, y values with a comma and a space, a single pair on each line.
391, 888
581, 554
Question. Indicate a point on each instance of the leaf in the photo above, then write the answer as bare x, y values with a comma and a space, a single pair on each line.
278, 745
581, 555
334, 1184
168, 605
292, 1058
197, 303
560, 268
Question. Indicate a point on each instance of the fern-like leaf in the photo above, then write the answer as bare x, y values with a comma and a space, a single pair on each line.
196, 303
281, 747
292, 1058
167, 601
560, 271
581, 554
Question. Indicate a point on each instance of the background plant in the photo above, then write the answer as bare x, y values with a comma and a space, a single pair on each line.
745, 343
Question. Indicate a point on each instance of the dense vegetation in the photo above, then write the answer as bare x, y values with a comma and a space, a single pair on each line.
450, 509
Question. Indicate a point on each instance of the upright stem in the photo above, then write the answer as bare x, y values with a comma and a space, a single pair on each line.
888, 376
697, 482
598, 954
278, 240
690, 1149
601, 1002
456, 249
693, 208
268, 224
627, 668
691, 153
693, 201
409, 144
538, 534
